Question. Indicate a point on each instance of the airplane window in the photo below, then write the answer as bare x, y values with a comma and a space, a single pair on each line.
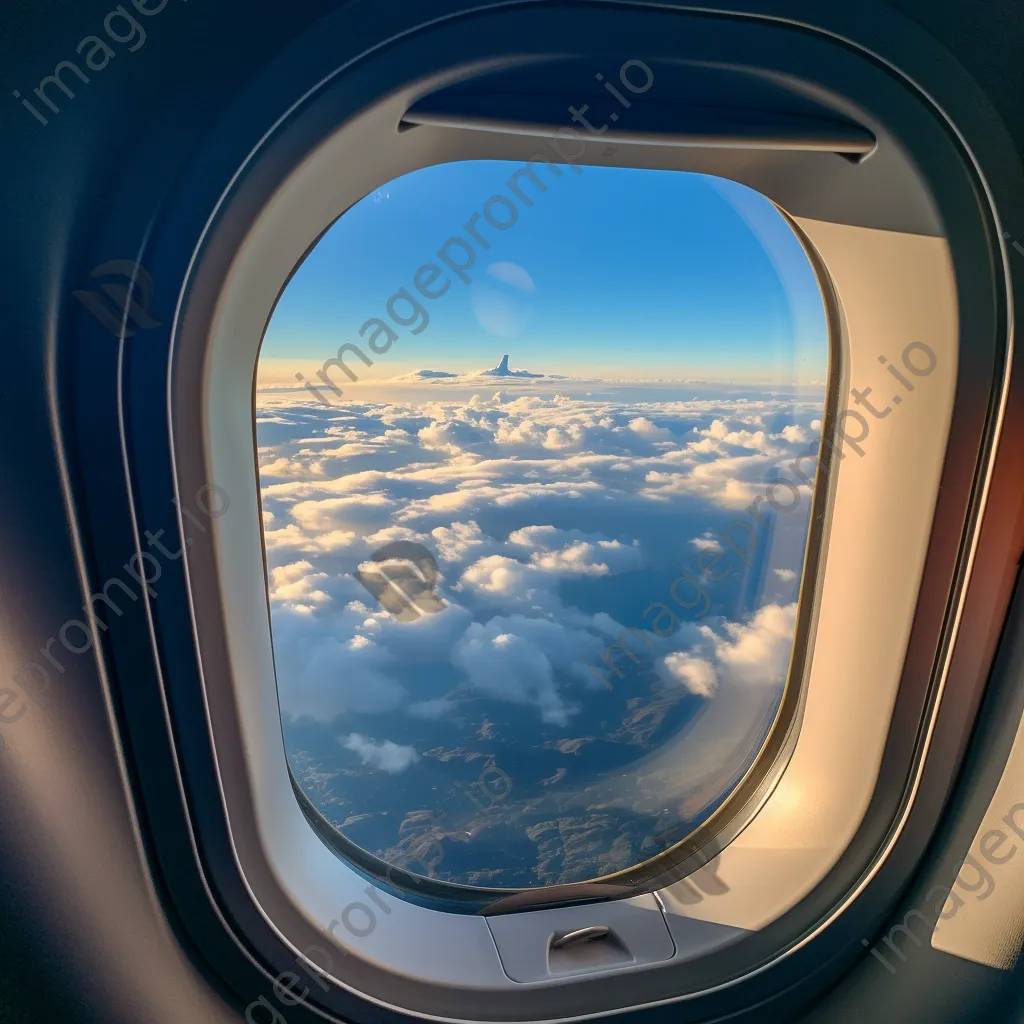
537, 450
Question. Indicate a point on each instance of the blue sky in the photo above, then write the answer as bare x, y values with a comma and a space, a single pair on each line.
611, 272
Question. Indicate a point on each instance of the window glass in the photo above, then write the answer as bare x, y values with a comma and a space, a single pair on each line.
535, 515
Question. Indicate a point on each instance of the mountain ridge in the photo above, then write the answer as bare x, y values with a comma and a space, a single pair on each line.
499, 372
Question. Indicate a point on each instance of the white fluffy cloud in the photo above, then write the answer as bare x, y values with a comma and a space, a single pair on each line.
696, 674
321, 676
576, 553
460, 541
757, 654
645, 428
382, 757
511, 667
706, 542
754, 653
507, 583
359, 510
296, 586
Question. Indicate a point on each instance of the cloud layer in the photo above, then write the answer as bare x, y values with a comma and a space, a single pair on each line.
555, 521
